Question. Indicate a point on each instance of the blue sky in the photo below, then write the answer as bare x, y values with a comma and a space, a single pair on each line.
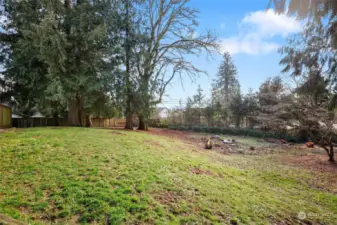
250, 33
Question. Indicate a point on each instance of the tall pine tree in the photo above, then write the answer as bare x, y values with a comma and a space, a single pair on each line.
226, 85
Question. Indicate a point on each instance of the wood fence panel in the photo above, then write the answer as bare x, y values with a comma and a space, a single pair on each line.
120, 122
41, 122
5, 116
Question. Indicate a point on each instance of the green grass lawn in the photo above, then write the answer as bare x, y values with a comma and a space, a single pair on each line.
79, 175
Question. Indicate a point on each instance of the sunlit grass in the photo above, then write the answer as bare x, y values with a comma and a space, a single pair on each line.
74, 175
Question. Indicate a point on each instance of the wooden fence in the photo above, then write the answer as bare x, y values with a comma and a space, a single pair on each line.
37, 122
105, 122
42, 122
5, 117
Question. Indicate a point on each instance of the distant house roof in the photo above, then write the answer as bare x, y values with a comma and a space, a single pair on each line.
38, 115
16, 116
5, 105
163, 112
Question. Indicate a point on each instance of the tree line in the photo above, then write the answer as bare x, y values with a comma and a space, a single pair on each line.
88, 58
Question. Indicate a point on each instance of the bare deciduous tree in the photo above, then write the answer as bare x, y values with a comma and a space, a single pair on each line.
167, 36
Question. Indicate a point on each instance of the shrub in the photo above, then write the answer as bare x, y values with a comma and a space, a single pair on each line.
197, 129
237, 132
214, 130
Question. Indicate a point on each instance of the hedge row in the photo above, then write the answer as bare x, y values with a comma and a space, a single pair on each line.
237, 132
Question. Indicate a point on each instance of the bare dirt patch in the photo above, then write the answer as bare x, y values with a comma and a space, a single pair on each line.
199, 171
236, 147
168, 197
312, 162
4, 219
324, 173
191, 138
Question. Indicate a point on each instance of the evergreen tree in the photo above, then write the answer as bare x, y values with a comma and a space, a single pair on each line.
226, 85
271, 99
237, 108
66, 52
24, 72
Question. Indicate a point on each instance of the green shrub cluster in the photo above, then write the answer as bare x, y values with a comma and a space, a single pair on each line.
236, 132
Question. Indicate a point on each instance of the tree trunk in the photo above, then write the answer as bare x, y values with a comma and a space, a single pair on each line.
79, 103
330, 151
331, 154
129, 121
73, 119
142, 124
88, 121
129, 114
56, 119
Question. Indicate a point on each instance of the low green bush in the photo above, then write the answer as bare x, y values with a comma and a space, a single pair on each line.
198, 129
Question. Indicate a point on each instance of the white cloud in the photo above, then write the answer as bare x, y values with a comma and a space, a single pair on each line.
257, 31
270, 23
248, 46
222, 26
